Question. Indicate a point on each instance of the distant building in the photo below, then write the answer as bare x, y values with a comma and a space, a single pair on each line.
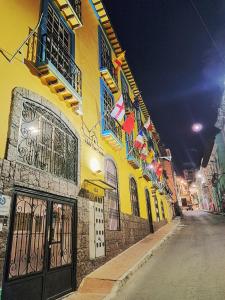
213, 164
189, 175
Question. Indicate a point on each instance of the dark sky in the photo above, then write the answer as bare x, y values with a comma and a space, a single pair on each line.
176, 66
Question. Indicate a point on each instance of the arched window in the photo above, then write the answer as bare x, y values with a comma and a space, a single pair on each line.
149, 211
112, 195
162, 209
46, 142
134, 197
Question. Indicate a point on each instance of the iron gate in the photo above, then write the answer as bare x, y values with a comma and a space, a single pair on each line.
40, 256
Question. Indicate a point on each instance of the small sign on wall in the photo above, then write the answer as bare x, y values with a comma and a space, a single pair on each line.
4, 205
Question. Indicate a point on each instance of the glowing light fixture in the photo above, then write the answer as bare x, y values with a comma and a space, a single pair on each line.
95, 166
197, 127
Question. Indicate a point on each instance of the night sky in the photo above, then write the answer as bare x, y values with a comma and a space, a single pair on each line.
176, 66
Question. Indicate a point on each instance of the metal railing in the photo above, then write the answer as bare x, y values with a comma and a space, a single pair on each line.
58, 54
106, 58
112, 125
131, 151
76, 5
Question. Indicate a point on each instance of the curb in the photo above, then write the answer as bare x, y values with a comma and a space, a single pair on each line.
123, 279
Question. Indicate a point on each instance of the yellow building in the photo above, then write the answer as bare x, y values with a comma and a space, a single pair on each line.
74, 192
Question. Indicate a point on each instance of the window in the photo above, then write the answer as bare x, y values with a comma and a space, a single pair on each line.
125, 93
162, 209
57, 47
106, 56
156, 208
134, 197
138, 118
108, 122
112, 195
46, 143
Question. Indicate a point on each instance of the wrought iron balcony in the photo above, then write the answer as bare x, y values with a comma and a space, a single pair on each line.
59, 71
111, 130
71, 10
133, 156
147, 173
107, 69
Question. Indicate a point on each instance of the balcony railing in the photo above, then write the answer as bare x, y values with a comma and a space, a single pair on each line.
111, 130
76, 5
71, 9
113, 126
107, 69
133, 155
59, 70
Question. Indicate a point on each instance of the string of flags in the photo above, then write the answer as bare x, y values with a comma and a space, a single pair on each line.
140, 144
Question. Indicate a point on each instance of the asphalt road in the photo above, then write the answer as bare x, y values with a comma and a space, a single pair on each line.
190, 265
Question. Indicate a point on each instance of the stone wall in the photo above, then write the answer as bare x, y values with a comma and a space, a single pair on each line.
132, 229
14, 172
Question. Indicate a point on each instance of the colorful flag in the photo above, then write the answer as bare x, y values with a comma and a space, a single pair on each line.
150, 156
144, 152
128, 125
148, 125
139, 141
159, 170
119, 109
119, 61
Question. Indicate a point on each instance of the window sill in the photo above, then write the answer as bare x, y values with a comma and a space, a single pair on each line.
60, 86
109, 80
114, 142
133, 161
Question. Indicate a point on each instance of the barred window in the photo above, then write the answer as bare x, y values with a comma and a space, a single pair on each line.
125, 93
156, 208
57, 47
112, 195
162, 209
46, 143
134, 197
109, 123
106, 56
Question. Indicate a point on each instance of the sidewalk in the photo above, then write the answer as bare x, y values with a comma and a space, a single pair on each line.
105, 281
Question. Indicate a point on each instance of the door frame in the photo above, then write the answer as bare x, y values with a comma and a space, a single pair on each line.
149, 210
43, 196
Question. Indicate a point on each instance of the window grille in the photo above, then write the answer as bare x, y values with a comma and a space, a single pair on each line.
125, 93
162, 209
109, 123
134, 197
57, 47
113, 195
46, 143
156, 208
106, 56
139, 122
76, 5
133, 152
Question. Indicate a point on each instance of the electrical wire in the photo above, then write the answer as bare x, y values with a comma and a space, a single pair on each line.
207, 30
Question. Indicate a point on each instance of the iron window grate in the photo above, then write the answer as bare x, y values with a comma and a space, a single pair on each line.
46, 143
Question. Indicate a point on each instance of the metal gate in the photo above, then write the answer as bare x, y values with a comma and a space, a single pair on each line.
40, 256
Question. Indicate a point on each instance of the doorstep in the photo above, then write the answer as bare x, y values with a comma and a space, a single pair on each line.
106, 281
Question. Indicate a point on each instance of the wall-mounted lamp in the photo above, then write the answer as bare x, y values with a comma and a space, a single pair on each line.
95, 166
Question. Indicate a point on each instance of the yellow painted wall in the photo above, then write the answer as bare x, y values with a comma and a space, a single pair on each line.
15, 22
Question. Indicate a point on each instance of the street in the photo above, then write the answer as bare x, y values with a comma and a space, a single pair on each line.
190, 265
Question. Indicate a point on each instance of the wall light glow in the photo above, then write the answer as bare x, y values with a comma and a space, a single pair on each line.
95, 165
